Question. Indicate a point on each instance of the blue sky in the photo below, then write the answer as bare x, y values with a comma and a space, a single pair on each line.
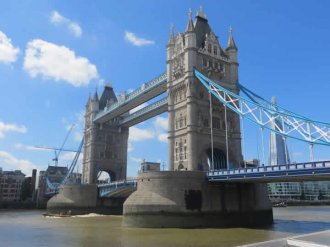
53, 54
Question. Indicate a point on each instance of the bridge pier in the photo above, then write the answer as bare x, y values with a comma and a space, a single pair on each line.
75, 199
191, 201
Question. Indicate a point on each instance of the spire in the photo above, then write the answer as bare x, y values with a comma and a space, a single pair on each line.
96, 97
201, 13
231, 43
89, 99
171, 40
190, 26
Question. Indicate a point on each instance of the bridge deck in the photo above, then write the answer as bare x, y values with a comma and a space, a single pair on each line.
313, 171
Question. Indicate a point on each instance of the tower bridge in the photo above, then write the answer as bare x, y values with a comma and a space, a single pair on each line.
208, 182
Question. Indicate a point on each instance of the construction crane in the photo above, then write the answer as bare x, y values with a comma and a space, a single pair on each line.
58, 151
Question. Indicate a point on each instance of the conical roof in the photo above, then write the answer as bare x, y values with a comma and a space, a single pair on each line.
107, 95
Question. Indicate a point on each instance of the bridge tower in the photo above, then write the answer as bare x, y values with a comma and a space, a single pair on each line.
105, 145
189, 104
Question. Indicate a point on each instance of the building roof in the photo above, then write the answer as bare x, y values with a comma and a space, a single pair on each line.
107, 95
201, 29
231, 42
13, 173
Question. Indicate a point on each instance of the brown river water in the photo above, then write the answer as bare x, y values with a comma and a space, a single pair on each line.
30, 228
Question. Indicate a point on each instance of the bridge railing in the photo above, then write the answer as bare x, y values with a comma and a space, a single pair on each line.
259, 169
107, 188
145, 87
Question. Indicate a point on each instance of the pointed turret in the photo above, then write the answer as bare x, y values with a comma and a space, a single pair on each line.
96, 96
231, 43
190, 35
171, 39
190, 25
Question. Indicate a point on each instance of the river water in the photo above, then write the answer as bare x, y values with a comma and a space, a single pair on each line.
30, 228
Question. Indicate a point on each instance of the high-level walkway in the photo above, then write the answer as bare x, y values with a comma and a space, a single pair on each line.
129, 101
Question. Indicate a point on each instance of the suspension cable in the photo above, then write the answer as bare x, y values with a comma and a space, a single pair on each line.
211, 126
257, 138
226, 125
243, 137
263, 146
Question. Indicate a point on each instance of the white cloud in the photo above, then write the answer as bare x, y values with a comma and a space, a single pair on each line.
136, 41
69, 156
21, 146
137, 134
137, 160
161, 123
157, 131
77, 136
130, 147
8, 53
56, 62
4, 128
162, 137
25, 166
297, 154
138, 108
57, 19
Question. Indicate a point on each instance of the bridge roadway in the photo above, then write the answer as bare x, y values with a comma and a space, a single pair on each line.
143, 94
311, 171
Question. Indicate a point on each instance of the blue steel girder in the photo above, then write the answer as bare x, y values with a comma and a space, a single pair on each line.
145, 113
141, 95
311, 171
294, 125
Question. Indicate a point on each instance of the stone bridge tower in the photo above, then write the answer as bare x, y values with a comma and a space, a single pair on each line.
189, 105
105, 145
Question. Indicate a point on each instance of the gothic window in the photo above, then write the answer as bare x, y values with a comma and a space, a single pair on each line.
185, 153
216, 65
216, 122
204, 62
176, 154
185, 141
185, 121
209, 48
180, 120
206, 122
108, 154
109, 139
201, 94
215, 50
210, 64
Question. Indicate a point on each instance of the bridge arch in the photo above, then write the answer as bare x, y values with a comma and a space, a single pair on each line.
219, 158
106, 176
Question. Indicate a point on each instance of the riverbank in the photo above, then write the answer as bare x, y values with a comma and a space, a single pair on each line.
17, 205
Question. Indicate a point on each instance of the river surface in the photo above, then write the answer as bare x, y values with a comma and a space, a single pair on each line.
30, 228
